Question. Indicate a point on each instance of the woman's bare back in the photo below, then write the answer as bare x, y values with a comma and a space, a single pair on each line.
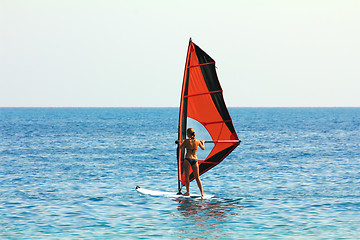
191, 146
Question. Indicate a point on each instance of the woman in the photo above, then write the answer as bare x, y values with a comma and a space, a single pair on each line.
191, 144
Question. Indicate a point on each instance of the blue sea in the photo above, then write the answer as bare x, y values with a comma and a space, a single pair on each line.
71, 173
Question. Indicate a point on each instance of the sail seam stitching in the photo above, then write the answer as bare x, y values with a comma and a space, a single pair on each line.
198, 94
199, 65
207, 123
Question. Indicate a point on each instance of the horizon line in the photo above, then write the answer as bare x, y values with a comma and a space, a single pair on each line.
177, 107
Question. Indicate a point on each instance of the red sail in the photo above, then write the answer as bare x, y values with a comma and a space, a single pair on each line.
202, 100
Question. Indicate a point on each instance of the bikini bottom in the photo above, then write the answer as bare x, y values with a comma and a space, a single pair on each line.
192, 161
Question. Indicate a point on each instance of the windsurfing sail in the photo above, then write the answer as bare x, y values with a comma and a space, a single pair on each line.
202, 100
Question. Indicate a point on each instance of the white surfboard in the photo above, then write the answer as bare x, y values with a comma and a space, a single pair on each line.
169, 194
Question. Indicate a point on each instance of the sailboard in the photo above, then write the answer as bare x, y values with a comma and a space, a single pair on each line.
170, 194
202, 100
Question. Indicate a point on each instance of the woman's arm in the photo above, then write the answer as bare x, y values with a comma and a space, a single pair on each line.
202, 145
182, 145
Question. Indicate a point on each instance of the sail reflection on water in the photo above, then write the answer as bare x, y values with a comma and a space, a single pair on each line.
206, 219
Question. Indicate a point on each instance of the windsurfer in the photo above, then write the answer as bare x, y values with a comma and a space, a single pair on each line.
191, 144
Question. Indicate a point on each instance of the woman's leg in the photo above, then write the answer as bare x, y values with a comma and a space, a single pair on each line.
186, 172
195, 168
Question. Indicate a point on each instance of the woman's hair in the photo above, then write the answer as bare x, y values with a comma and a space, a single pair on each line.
190, 132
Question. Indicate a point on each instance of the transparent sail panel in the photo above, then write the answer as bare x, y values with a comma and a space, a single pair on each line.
202, 134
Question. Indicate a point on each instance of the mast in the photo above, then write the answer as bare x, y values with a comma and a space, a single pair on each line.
183, 118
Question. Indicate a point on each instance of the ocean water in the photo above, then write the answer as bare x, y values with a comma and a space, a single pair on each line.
70, 173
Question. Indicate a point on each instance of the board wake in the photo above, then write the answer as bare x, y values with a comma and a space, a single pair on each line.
169, 194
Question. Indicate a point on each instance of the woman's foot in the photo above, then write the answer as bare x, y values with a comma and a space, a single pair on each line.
186, 194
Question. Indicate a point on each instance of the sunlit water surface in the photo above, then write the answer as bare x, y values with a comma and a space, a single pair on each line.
71, 174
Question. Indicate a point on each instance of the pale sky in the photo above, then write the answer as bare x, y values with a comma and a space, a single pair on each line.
115, 53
